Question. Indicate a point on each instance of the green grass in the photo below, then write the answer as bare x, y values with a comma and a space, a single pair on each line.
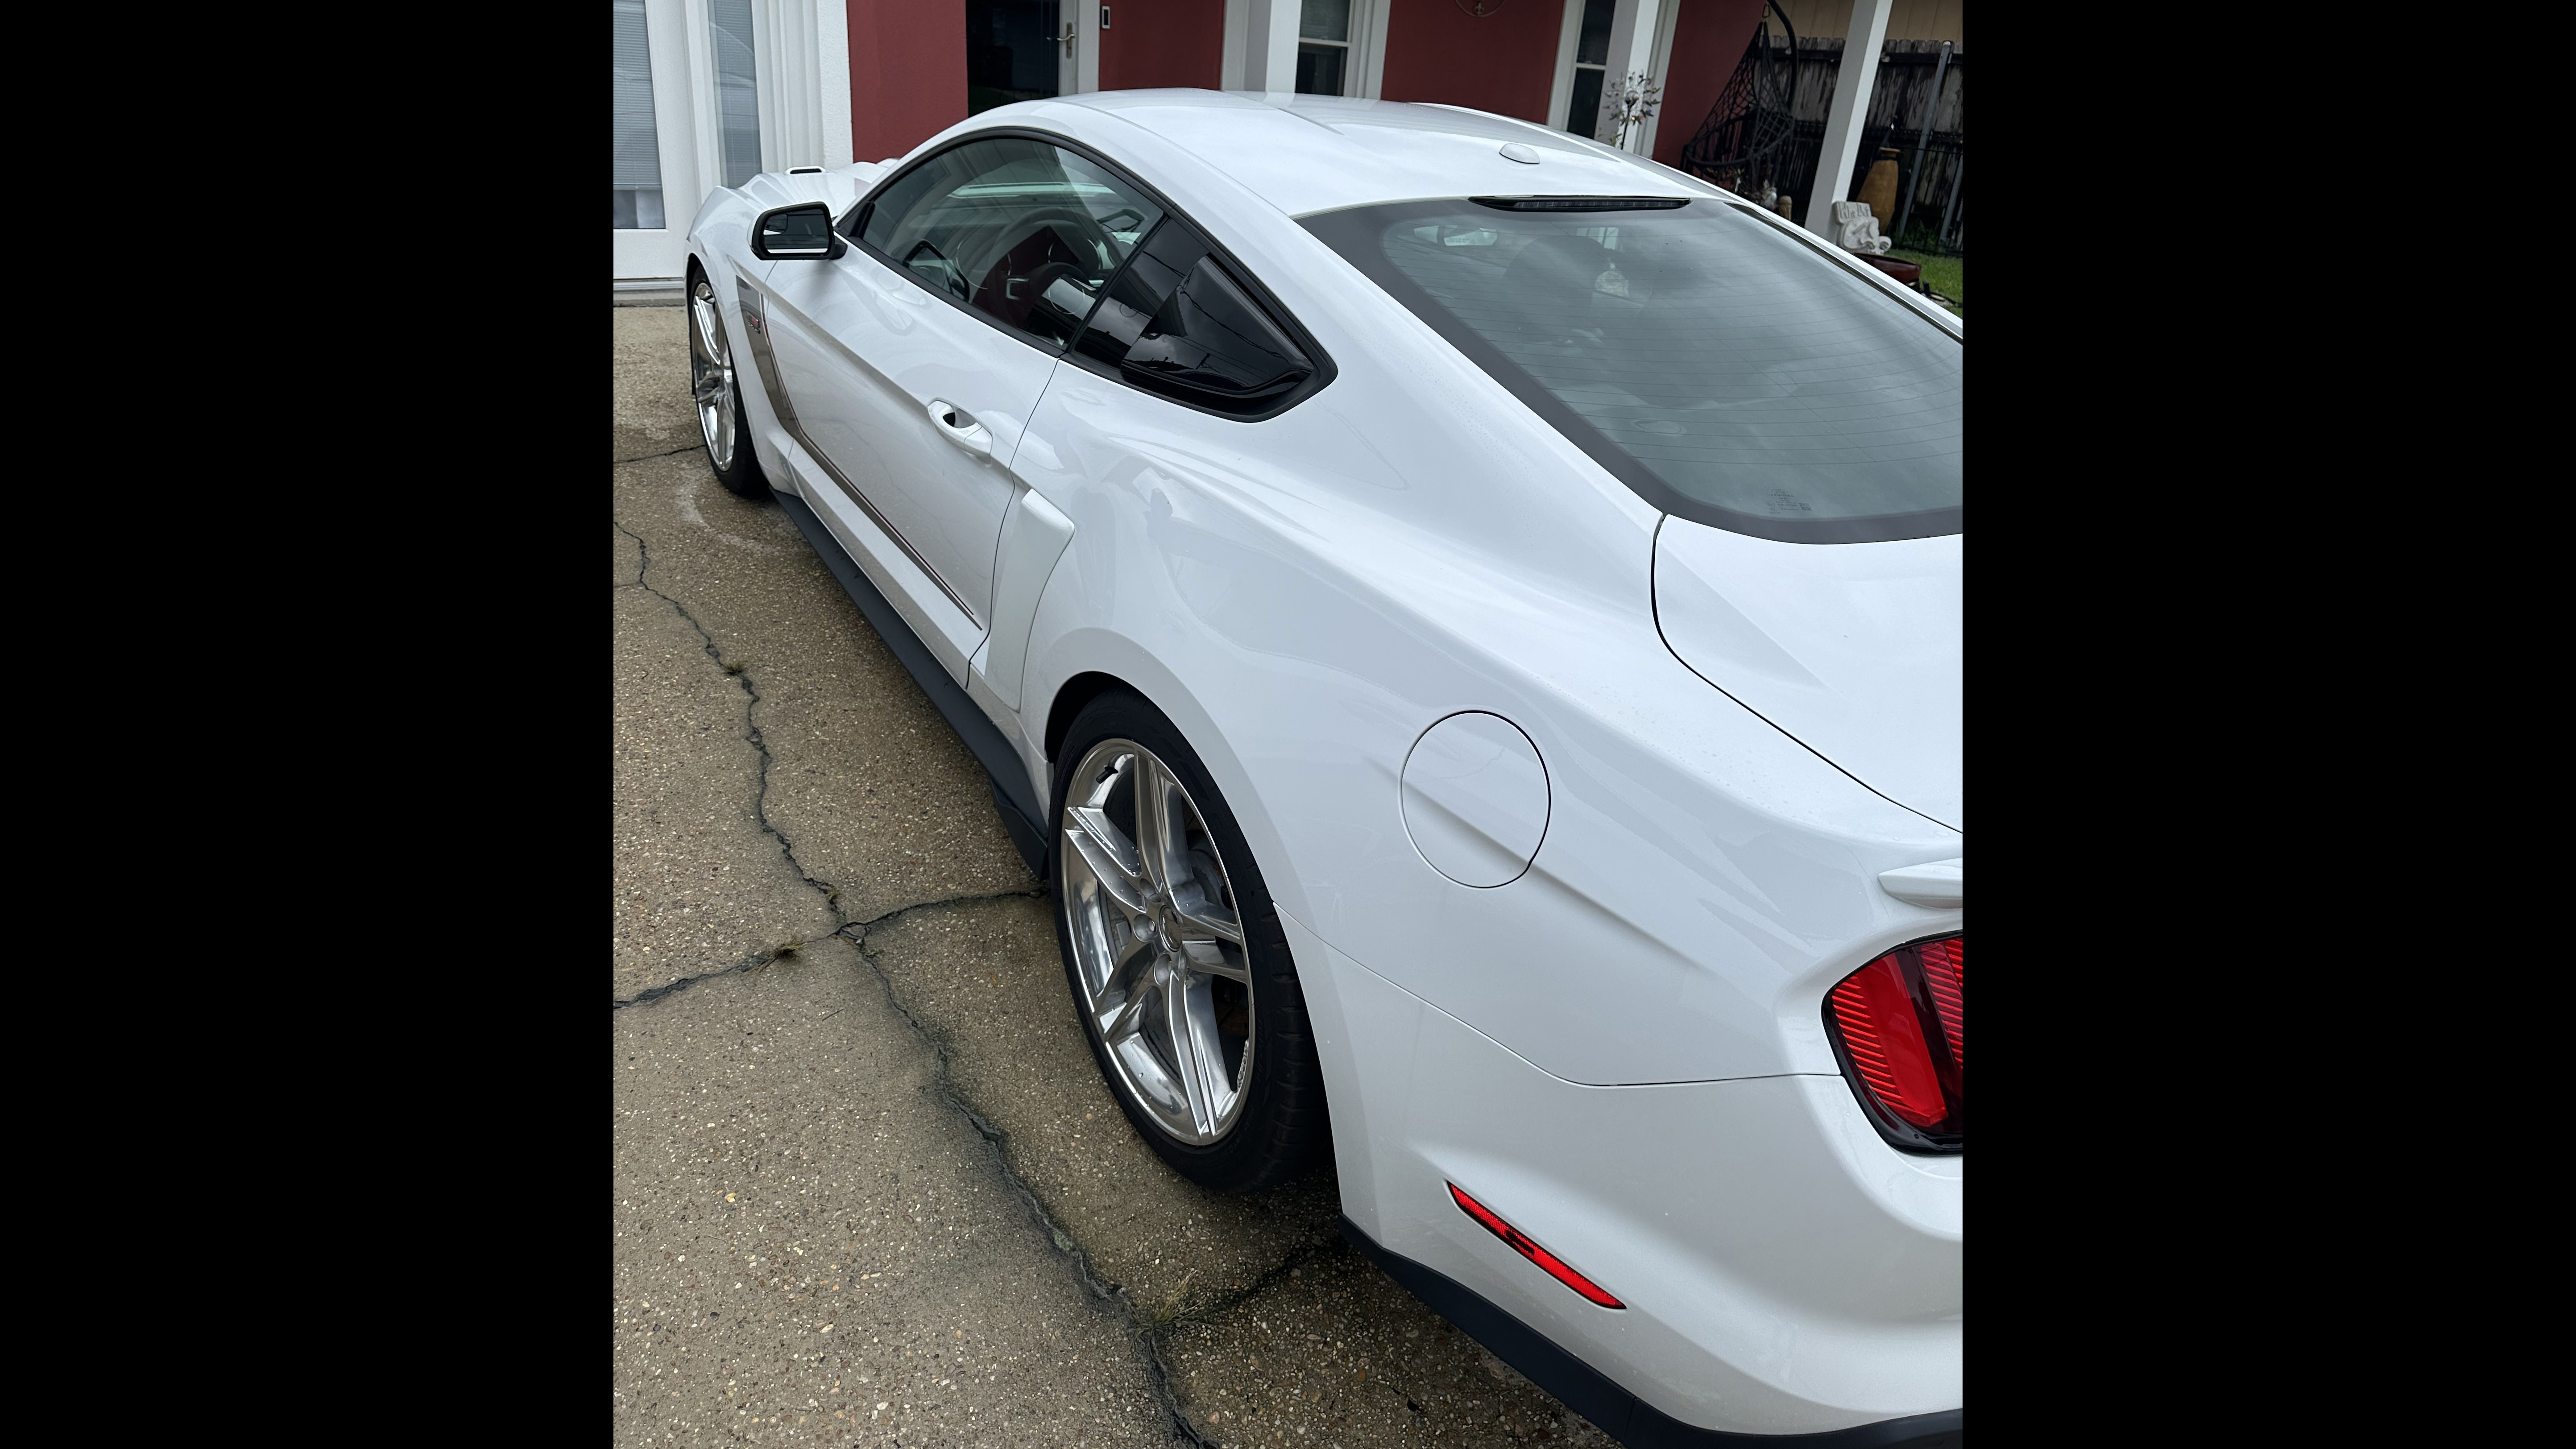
1945, 275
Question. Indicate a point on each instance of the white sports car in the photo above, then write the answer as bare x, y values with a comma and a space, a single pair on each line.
1467, 622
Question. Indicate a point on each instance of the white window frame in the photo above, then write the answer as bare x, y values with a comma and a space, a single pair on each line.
1623, 23
1363, 73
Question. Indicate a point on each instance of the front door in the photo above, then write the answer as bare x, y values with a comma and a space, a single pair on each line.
914, 360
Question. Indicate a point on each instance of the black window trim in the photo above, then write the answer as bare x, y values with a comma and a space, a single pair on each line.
853, 221
1353, 222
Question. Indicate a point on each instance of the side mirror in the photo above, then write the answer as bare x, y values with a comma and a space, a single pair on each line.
800, 231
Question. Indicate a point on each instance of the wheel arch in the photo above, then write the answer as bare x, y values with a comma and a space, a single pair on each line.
1071, 696
1094, 661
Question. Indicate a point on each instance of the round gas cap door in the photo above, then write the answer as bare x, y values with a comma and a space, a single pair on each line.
1476, 799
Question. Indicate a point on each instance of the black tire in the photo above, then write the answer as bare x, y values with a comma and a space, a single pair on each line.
1283, 1122
741, 477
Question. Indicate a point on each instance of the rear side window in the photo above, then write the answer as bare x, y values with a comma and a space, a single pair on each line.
1722, 370
1026, 233
1178, 322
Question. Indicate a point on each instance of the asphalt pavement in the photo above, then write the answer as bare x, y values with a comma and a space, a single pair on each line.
869, 1189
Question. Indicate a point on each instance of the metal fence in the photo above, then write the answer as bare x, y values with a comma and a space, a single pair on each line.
1768, 127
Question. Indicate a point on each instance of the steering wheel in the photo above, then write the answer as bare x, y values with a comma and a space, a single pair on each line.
1065, 221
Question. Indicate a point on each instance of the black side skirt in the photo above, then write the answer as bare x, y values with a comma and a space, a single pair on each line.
1617, 1412
1012, 798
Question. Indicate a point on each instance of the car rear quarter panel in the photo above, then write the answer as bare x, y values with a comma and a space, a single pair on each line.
1316, 590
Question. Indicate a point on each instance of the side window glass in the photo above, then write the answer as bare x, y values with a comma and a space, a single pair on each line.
1178, 323
1021, 231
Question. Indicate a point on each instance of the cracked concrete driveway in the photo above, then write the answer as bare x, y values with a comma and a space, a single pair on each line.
869, 1187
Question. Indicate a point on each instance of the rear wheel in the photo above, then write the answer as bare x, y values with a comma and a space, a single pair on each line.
1179, 968
715, 394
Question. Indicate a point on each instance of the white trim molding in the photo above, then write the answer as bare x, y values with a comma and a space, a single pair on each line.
832, 54
1369, 36
1560, 91
1086, 46
1238, 25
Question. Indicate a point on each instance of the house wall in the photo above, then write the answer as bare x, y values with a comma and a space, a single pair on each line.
1153, 43
1709, 37
907, 73
1504, 63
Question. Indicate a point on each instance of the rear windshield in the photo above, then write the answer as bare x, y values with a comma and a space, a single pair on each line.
1725, 371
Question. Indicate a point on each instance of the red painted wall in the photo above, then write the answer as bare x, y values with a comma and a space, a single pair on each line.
1709, 37
1152, 43
1504, 63
907, 73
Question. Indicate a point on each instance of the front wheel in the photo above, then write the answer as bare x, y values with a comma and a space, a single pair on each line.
716, 395
1179, 968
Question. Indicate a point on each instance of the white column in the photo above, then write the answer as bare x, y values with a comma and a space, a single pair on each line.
832, 47
1632, 48
1270, 45
1854, 80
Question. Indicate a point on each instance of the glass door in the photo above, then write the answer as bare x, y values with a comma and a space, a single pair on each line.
686, 102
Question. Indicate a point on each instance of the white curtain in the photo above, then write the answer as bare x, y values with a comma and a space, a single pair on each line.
638, 164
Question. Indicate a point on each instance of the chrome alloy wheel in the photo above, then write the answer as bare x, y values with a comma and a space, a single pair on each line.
711, 374
1157, 941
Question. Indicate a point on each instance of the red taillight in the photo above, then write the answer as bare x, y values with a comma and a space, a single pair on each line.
1901, 1024
1522, 1245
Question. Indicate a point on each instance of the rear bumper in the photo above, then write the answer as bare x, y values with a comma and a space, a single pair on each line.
1784, 1273
1618, 1413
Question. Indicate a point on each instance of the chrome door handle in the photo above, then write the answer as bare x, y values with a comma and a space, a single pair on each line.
958, 426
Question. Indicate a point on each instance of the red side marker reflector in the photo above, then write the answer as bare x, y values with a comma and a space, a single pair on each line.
1555, 1268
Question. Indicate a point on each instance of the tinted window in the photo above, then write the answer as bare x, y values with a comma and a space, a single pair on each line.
1021, 231
1178, 322
1721, 369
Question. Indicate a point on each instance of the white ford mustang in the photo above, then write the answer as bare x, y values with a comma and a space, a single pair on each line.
1468, 624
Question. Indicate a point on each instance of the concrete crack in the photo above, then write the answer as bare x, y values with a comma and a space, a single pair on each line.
649, 457
1144, 1332
740, 674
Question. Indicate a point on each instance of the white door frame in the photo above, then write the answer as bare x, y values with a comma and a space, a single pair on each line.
803, 53
1654, 56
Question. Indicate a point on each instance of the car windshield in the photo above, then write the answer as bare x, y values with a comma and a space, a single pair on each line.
1718, 366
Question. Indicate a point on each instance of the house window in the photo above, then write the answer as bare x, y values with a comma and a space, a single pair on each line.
1324, 48
1591, 61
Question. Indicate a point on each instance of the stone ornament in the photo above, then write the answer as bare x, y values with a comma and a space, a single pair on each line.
1856, 229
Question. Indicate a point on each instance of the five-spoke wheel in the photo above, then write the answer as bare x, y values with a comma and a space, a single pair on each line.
1157, 944
1180, 969
716, 395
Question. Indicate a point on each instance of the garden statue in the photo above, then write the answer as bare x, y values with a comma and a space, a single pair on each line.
1856, 230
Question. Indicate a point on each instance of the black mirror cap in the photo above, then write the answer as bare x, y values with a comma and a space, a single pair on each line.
802, 232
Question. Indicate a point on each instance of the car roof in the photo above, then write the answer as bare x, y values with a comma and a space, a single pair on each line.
1306, 154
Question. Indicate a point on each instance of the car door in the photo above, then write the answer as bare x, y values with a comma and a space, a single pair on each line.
915, 358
